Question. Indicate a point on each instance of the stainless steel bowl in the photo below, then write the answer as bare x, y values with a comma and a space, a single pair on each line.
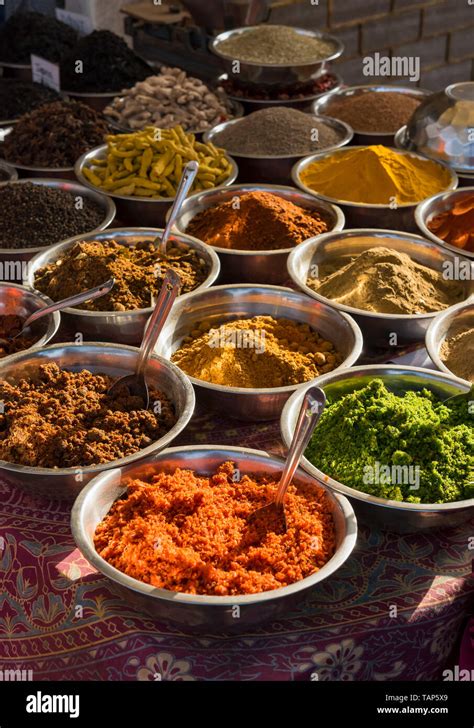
443, 326
379, 329
194, 612
98, 358
269, 74
136, 210
302, 103
225, 303
401, 141
390, 515
249, 266
17, 259
8, 170
322, 105
261, 168
440, 126
122, 327
20, 301
435, 205
361, 214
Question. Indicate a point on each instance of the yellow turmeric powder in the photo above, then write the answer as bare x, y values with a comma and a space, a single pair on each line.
258, 352
375, 175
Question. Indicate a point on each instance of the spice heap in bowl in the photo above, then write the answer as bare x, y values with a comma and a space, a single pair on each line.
34, 33
224, 564
52, 137
374, 425
10, 341
254, 227
449, 220
167, 99
18, 97
146, 167
273, 353
267, 142
376, 185
138, 271
108, 65
63, 419
375, 113
457, 350
35, 214
392, 283
297, 95
277, 45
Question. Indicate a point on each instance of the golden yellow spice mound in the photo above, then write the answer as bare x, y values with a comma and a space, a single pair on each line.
258, 352
376, 175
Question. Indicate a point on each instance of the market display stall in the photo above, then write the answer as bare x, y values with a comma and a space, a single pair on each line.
326, 240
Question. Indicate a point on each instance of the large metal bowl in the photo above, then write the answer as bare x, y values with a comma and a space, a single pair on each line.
194, 612
269, 74
114, 360
20, 301
225, 303
442, 327
439, 128
122, 327
435, 205
302, 103
18, 258
261, 168
380, 512
378, 328
322, 105
250, 266
361, 214
133, 210
8, 170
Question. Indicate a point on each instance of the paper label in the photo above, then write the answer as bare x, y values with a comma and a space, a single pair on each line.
45, 72
81, 23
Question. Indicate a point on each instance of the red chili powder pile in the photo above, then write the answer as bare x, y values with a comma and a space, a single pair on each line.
190, 534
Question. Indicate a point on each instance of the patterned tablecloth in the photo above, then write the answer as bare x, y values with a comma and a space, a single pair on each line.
395, 610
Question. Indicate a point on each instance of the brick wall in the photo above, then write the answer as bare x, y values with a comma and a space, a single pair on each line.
439, 32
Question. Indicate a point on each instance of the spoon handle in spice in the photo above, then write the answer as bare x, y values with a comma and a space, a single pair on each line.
187, 178
168, 292
75, 300
310, 413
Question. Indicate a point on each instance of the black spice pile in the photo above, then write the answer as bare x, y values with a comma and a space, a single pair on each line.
18, 97
42, 35
32, 215
277, 131
108, 64
54, 135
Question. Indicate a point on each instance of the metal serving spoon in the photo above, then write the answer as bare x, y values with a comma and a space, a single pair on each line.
187, 178
75, 300
465, 396
136, 382
272, 516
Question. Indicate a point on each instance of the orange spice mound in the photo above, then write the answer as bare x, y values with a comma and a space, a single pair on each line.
189, 533
257, 221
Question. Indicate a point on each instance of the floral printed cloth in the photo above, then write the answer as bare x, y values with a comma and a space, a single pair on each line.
393, 611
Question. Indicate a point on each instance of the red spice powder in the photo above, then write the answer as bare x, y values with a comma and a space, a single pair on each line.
189, 533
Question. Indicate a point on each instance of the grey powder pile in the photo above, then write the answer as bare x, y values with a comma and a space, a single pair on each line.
276, 44
277, 131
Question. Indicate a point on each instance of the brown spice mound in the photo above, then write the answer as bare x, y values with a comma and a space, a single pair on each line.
256, 353
386, 281
374, 111
457, 351
62, 419
256, 221
11, 325
190, 534
138, 273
